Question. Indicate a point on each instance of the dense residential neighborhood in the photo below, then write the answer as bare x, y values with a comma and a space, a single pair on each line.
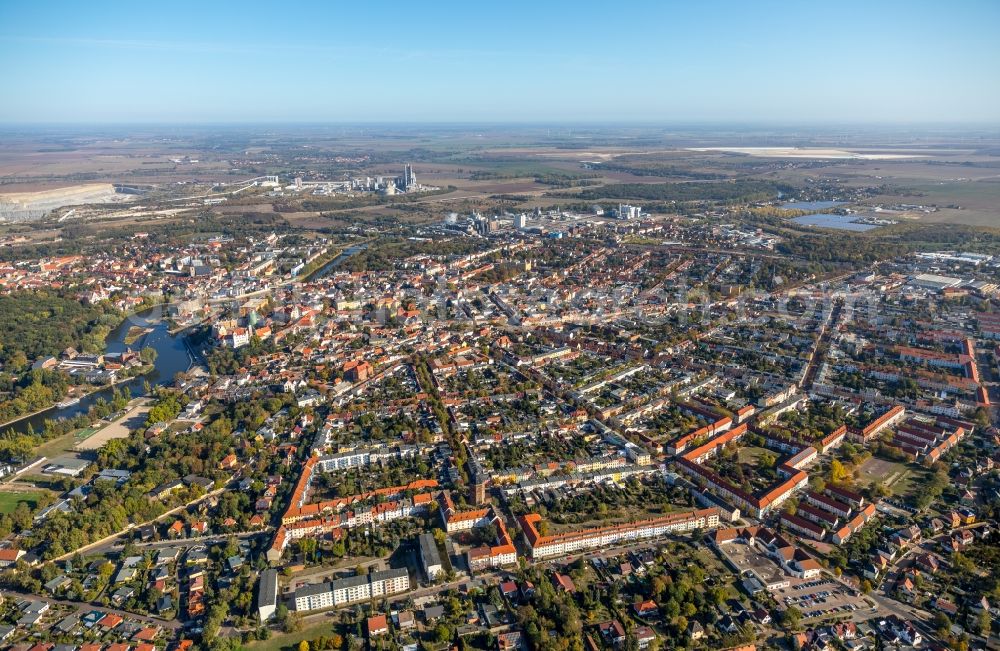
528, 439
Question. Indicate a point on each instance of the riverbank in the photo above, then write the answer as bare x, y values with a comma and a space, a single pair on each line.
320, 262
149, 368
10, 423
329, 259
173, 355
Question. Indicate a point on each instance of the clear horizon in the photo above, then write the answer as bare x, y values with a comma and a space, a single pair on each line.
595, 124
637, 63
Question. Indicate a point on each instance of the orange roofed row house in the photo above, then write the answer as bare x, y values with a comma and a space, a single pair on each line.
302, 519
758, 504
499, 554
573, 541
679, 445
842, 535
871, 430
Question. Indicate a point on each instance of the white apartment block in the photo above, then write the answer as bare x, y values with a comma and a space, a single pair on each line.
351, 590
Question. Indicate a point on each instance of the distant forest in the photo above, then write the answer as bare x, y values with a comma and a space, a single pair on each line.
721, 191
655, 168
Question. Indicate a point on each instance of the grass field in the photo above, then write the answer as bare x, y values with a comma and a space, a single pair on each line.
57, 446
65, 443
10, 499
901, 479
751, 454
910, 483
285, 641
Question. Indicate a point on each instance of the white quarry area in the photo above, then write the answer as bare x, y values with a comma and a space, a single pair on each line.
23, 206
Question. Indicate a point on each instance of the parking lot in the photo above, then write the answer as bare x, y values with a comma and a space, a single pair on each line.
820, 598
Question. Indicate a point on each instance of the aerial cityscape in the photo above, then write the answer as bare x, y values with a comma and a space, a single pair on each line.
380, 328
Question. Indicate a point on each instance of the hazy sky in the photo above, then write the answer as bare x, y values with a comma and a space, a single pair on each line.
801, 61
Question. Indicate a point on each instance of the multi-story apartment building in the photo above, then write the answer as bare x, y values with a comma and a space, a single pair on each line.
567, 543
351, 590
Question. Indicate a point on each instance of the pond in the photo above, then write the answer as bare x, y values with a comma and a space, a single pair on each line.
839, 222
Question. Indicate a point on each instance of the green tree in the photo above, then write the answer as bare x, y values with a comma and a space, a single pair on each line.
441, 633
983, 623
17, 362
790, 618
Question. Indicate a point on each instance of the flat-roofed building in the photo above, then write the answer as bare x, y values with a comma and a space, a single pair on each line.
351, 589
933, 281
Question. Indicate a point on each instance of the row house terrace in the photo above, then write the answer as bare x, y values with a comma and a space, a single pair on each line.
600, 537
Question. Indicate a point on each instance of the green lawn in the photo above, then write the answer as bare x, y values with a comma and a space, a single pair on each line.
10, 499
751, 454
285, 641
57, 446
911, 482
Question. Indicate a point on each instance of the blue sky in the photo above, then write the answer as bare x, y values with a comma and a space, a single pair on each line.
509, 61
